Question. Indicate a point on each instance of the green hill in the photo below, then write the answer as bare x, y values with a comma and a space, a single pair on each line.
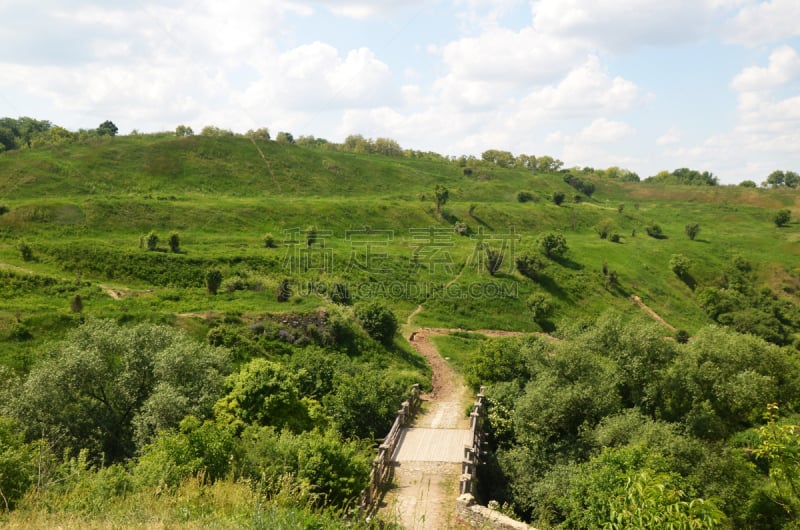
83, 209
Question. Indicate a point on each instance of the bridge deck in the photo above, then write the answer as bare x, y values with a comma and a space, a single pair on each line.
431, 445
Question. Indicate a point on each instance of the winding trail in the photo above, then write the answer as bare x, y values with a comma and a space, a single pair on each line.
655, 316
428, 459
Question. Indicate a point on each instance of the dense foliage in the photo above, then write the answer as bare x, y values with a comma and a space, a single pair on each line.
618, 424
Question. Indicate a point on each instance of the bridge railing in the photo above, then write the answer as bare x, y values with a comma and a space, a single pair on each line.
474, 450
381, 464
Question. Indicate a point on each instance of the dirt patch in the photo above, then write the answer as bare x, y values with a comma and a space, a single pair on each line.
655, 316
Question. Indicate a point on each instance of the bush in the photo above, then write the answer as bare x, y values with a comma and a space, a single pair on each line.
553, 245
152, 240
525, 196
340, 294
213, 280
782, 218
679, 264
615, 238
558, 198
269, 241
461, 228
530, 265
25, 251
4, 209
654, 231
284, 291
174, 242
76, 304
692, 229
377, 320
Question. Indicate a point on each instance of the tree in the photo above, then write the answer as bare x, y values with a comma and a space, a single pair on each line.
553, 245
558, 197
775, 179
530, 265
388, 147
175, 242
652, 501
540, 306
748, 184
692, 229
441, 195
213, 280
152, 240
107, 128
679, 264
259, 134
284, 138
183, 130
263, 393
104, 380
377, 320
782, 218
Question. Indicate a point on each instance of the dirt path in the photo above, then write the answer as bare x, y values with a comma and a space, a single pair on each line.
655, 316
425, 492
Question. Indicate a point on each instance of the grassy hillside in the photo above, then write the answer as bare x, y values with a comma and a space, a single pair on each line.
83, 209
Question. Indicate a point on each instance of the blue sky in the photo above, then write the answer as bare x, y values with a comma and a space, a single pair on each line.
646, 85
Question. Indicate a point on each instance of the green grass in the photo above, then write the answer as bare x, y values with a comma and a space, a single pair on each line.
84, 207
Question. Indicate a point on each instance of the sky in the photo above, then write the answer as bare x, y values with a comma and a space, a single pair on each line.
647, 85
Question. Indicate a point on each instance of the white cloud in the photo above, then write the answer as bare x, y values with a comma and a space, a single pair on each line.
314, 77
625, 24
586, 91
603, 130
784, 66
762, 22
525, 56
671, 137
362, 10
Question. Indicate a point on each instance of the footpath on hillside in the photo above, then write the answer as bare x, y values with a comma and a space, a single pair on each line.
427, 462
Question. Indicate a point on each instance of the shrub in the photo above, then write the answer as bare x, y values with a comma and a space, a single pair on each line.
681, 336
553, 245
311, 235
604, 227
25, 251
679, 264
524, 196
4, 209
692, 229
782, 218
152, 240
530, 265
654, 231
284, 291
461, 228
175, 242
558, 198
540, 306
340, 294
76, 304
494, 260
615, 238
377, 320
213, 280
269, 241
